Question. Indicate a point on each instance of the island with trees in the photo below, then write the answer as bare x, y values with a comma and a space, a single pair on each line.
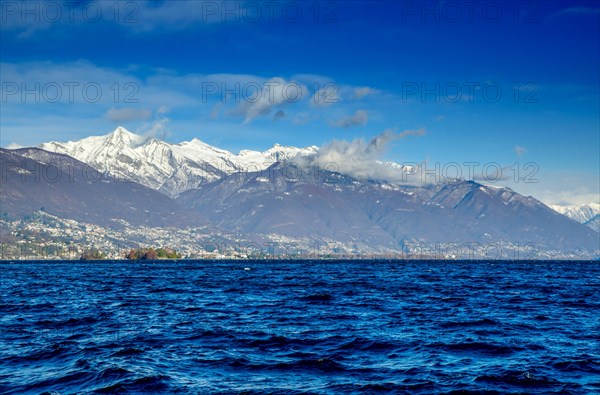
152, 254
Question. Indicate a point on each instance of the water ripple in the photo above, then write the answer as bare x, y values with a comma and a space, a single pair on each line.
300, 327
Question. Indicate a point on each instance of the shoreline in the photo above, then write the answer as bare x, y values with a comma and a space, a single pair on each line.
298, 260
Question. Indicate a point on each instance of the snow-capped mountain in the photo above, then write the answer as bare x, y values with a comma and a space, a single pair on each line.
581, 213
76, 191
168, 168
288, 202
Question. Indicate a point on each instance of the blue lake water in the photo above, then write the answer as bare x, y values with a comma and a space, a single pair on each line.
300, 327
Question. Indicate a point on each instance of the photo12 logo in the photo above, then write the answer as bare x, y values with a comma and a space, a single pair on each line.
133, 12
269, 11
468, 92
468, 11
471, 250
274, 91
68, 92
489, 172
69, 12
55, 171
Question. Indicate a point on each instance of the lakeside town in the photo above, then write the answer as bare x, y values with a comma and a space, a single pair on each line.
47, 237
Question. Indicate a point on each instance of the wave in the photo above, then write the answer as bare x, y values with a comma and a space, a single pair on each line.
341, 328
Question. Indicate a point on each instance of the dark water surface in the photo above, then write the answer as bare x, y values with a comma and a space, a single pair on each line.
301, 327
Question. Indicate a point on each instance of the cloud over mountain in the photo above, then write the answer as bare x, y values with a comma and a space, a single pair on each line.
360, 158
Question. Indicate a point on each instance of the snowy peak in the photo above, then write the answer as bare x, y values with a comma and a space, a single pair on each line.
122, 134
121, 139
118, 139
169, 168
197, 147
581, 213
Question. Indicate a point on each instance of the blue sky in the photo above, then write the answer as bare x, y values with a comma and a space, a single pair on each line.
490, 82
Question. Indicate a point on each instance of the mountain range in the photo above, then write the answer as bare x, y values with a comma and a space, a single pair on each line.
34, 179
300, 203
123, 180
167, 168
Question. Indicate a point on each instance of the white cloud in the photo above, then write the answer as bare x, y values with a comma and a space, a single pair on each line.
83, 83
158, 129
137, 15
581, 195
360, 158
274, 92
123, 96
359, 118
361, 92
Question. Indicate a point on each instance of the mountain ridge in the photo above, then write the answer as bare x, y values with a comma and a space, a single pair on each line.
147, 182
339, 206
168, 168
34, 179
